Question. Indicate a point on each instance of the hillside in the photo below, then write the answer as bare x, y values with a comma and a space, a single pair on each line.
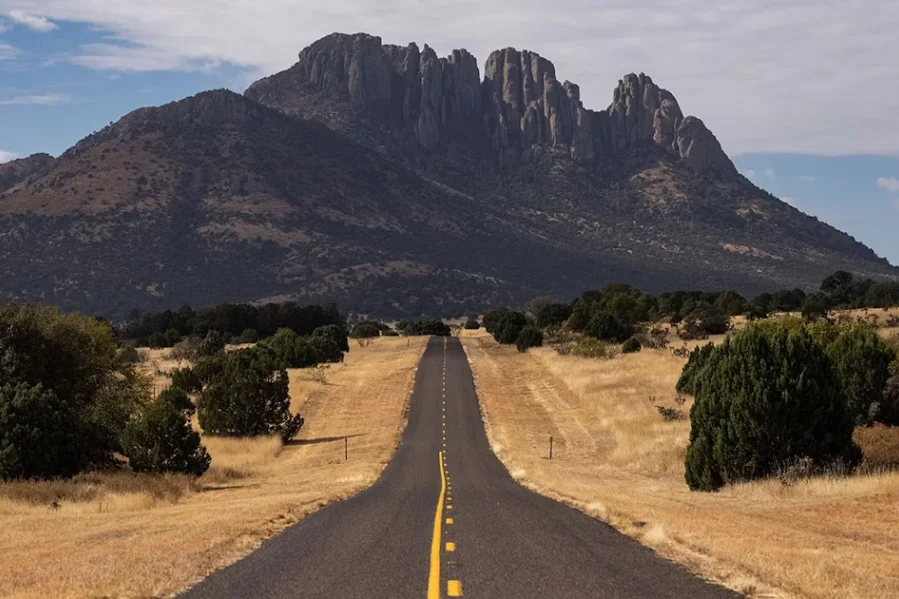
396, 183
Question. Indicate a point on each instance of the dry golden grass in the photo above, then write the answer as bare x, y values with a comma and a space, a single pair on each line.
615, 458
126, 535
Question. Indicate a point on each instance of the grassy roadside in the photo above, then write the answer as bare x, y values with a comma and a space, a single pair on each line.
121, 535
616, 458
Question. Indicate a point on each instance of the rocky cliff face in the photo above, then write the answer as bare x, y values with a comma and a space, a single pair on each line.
519, 105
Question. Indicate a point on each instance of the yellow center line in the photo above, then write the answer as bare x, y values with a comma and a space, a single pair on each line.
434, 577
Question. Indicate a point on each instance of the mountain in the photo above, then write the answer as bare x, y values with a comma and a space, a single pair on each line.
397, 183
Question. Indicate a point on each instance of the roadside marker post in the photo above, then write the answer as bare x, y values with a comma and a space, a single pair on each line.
346, 449
550, 447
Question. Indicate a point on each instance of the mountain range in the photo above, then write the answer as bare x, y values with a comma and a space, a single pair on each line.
397, 182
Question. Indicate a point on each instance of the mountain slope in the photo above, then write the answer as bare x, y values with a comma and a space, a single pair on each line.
398, 183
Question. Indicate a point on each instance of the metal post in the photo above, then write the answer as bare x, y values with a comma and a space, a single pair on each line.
550, 447
345, 449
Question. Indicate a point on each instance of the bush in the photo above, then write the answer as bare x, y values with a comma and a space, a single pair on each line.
861, 361
186, 380
213, 343
699, 357
632, 345
248, 336
766, 397
427, 326
128, 354
337, 334
552, 314
158, 341
365, 330
472, 325
815, 306
172, 336
606, 327
177, 399
529, 336
187, 349
162, 440
246, 394
508, 334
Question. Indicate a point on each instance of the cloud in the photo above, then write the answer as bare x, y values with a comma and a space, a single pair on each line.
888, 183
769, 172
791, 201
7, 156
817, 56
31, 21
8, 52
749, 173
39, 100
807, 178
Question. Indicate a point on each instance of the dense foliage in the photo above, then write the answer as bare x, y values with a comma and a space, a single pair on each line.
530, 336
767, 396
231, 320
631, 345
471, 325
161, 439
424, 326
295, 351
245, 393
66, 393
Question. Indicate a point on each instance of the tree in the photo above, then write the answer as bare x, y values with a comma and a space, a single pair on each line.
472, 325
365, 330
67, 393
248, 336
530, 336
157, 341
632, 345
837, 285
186, 380
427, 326
580, 315
177, 399
815, 306
336, 333
213, 343
509, 333
731, 303
606, 327
162, 440
699, 357
552, 313
861, 361
766, 397
246, 394
172, 336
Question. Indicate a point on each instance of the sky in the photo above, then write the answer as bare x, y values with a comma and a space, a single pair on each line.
801, 93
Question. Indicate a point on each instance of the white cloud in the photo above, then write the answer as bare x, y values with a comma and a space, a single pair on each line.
769, 172
888, 183
40, 100
749, 173
7, 52
807, 178
728, 57
791, 201
32, 21
7, 156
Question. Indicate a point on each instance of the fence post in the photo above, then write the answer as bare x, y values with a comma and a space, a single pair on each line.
550, 447
345, 449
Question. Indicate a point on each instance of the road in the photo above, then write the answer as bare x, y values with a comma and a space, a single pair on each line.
445, 519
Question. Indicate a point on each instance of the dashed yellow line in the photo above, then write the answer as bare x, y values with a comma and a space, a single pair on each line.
450, 546
434, 577
454, 588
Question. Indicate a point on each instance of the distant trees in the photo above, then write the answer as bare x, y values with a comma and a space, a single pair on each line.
424, 326
365, 330
767, 396
471, 325
295, 351
552, 313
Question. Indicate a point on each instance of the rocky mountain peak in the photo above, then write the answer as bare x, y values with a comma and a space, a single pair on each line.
519, 107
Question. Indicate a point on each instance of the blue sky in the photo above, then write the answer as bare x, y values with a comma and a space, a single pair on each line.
802, 94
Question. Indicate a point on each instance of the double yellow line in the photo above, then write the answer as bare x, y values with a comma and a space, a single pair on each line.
434, 577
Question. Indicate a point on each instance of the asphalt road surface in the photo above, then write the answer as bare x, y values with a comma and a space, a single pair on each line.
445, 519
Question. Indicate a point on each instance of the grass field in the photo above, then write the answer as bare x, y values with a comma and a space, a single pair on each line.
616, 458
124, 535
